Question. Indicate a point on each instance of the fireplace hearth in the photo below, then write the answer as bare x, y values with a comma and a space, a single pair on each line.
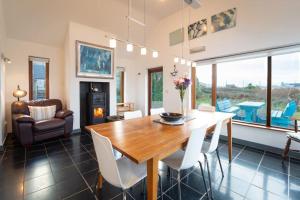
94, 102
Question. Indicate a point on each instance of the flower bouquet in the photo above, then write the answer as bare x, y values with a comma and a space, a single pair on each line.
181, 84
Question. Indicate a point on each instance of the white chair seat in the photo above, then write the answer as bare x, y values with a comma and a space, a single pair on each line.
130, 172
294, 135
174, 161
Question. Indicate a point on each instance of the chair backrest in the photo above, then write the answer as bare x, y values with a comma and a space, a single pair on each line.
206, 108
290, 109
106, 160
215, 138
21, 107
156, 111
193, 148
133, 114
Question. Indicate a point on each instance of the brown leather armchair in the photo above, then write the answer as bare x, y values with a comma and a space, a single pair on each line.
28, 131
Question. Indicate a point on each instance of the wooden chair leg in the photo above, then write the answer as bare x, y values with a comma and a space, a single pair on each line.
287, 149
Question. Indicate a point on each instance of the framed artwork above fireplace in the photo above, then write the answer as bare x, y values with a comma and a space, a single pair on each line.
94, 61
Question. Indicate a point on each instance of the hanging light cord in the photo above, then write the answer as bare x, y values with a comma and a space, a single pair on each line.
182, 28
189, 21
128, 16
145, 22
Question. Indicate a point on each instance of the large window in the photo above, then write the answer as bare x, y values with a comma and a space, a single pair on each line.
120, 84
242, 89
203, 85
285, 89
38, 78
264, 90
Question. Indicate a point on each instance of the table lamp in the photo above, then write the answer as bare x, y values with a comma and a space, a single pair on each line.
18, 93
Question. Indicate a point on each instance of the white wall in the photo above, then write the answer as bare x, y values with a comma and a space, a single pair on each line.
95, 36
17, 72
2, 77
260, 24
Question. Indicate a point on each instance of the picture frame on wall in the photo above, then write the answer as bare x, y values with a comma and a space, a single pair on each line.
94, 61
197, 29
224, 20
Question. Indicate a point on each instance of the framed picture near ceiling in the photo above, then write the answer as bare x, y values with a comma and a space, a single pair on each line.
94, 61
176, 37
223, 20
197, 29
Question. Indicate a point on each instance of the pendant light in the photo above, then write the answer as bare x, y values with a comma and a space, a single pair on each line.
188, 63
154, 54
112, 43
182, 61
129, 46
144, 49
176, 60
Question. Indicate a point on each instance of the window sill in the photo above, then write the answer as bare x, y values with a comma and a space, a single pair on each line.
262, 126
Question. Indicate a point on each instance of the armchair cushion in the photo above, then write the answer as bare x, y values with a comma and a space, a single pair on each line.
46, 125
63, 114
23, 118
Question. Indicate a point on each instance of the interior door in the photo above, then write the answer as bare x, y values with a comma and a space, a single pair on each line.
155, 88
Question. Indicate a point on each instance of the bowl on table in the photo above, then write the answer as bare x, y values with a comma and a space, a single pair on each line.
171, 117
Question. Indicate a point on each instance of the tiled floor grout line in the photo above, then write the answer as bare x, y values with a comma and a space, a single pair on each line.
89, 187
193, 189
168, 196
116, 196
72, 195
237, 155
83, 146
257, 169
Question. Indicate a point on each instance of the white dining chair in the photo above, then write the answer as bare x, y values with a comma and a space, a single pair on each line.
212, 146
185, 159
156, 111
133, 114
121, 173
206, 108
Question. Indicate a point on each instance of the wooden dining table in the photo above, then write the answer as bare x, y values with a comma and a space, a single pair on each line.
143, 140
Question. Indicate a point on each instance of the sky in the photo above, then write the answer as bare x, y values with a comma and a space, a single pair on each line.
285, 68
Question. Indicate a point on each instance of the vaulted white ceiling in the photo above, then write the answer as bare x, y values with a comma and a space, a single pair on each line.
46, 21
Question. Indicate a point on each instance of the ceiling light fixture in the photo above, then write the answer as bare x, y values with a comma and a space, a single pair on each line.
112, 43
188, 63
143, 51
176, 59
182, 61
129, 47
154, 54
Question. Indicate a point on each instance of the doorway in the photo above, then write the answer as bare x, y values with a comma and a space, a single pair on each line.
155, 88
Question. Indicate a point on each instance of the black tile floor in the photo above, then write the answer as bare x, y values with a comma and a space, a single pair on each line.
66, 168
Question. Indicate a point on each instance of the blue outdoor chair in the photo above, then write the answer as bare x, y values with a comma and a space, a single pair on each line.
280, 118
283, 118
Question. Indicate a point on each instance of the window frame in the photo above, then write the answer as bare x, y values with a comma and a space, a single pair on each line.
122, 85
267, 125
30, 63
